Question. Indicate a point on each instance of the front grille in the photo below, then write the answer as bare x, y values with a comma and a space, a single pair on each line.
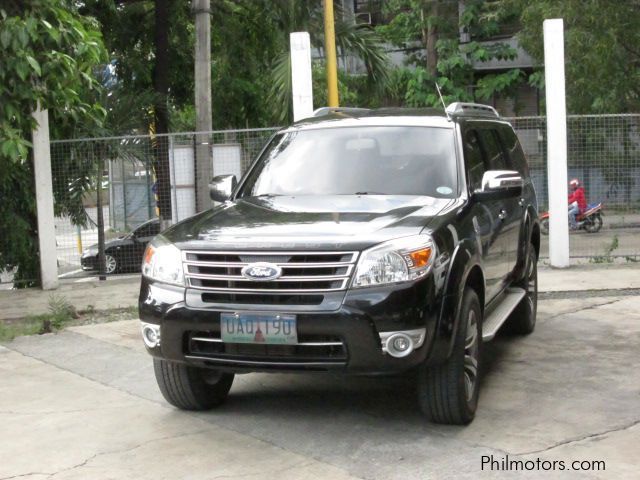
304, 274
257, 299
310, 348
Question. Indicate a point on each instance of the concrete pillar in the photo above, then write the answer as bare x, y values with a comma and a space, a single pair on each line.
44, 201
556, 142
301, 82
201, 9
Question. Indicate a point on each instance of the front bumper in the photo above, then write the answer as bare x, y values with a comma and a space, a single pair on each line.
350, 334
89, 261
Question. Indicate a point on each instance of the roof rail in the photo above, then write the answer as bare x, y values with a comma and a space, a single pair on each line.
477, 109
319, 112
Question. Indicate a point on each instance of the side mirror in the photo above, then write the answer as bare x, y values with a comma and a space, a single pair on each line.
498, 184
221, 187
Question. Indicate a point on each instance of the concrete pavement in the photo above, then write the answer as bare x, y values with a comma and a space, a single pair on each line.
83, 404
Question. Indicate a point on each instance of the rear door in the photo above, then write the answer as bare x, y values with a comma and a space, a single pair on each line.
518, 206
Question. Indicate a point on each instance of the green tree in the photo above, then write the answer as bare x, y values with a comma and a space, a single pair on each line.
430, 31
602, 49
351, 39
49, 52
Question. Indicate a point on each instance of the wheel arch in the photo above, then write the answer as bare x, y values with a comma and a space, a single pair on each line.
465, 269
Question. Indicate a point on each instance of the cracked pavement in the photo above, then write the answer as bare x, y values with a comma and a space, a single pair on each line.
84, 404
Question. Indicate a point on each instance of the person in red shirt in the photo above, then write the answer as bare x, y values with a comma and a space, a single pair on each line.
577, 202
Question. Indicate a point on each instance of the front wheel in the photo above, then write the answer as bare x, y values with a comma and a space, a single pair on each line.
448, 393
191, 388
110, 264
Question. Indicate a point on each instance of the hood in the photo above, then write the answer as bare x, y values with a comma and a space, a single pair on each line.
328, 222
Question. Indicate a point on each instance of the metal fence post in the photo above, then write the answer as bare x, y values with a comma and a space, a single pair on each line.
556, 142
44, 201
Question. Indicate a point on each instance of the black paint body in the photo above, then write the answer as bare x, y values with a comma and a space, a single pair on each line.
480, 242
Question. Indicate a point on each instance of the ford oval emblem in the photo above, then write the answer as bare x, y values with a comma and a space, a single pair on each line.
261, 271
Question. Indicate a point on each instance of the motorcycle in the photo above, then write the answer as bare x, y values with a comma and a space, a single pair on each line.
589, 221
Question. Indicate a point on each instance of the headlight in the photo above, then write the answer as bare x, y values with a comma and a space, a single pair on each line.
163, 262
395, 261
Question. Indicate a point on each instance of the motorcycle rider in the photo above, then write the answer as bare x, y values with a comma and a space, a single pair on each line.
577, 202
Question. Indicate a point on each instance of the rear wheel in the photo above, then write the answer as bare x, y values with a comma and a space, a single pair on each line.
448, 393
544, 226
191, 388
523, 318
593, 224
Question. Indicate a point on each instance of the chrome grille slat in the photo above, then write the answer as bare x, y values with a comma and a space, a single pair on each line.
299, 344
265, 290
288, 265
288, 278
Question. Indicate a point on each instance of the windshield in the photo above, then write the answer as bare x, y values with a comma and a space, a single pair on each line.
357, 160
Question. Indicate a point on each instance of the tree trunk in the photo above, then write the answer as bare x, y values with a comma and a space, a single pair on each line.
432, 39
161, 115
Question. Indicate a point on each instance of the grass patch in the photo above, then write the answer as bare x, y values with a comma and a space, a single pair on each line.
28, 326
61, 314
608, 250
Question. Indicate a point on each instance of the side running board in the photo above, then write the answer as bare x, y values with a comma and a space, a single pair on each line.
500, 314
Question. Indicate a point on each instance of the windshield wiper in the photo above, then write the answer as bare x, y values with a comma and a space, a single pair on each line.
369, 193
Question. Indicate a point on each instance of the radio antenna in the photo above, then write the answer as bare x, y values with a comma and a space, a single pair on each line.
442, 100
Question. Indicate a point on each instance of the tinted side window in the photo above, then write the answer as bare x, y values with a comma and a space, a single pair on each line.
493, 149
474, 159
514, 150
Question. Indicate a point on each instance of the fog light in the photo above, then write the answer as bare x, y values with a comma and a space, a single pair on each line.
399, 345
402, 343
151, 335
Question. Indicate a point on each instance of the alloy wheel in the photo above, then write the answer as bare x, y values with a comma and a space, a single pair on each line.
471, 349
110, 263
532, 284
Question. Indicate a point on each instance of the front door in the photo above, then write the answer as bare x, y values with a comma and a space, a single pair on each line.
487, 216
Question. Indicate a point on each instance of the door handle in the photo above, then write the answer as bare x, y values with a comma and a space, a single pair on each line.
503, 214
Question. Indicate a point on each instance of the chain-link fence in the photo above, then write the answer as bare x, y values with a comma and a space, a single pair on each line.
603, 153
113, 190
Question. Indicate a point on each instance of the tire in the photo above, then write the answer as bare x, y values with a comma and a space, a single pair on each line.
111, 264
191, 388
594, 224
522, 320
448, 393
544, 226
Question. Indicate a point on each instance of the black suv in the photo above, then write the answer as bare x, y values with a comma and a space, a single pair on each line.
359, 241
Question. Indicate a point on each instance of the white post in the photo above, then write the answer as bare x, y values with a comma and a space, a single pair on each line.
556, 142
301, 83
44, 201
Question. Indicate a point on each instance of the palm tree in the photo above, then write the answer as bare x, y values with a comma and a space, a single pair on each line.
351, 39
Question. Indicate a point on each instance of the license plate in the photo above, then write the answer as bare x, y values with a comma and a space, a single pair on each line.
276, 329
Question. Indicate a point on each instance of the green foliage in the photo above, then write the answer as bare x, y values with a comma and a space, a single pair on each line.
48, 55
412, 21
61, 311
601, 48
29, 326
608, 250
357, 40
